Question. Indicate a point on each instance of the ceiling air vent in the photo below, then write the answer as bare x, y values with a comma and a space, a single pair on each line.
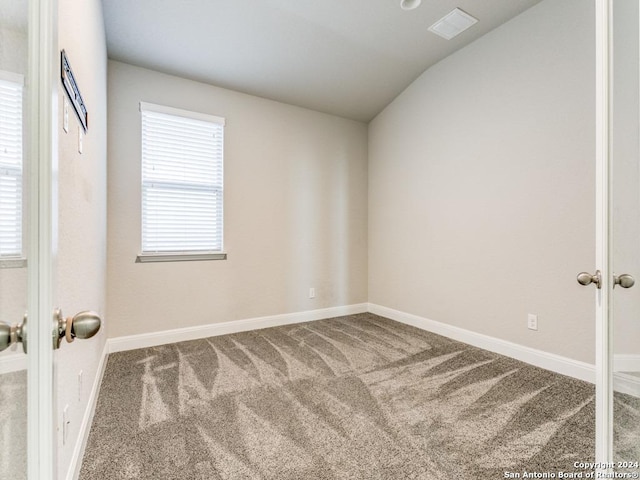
410, 4
453, 24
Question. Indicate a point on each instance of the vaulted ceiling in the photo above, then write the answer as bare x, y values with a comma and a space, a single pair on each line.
345, 57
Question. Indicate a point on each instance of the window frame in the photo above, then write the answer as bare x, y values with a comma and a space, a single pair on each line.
19, 259
181, 255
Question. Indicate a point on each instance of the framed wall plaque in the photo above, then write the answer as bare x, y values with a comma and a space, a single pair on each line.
73, 92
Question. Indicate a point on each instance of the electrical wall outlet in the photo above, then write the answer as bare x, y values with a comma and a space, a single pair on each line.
312, 292
532, 322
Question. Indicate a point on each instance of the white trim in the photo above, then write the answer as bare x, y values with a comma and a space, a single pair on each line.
205, 117
13, 262
42, 149
12, 77
549, 361
153, 339
628, 384
13, 361
85, 427
179, 257
626, 363
603, 234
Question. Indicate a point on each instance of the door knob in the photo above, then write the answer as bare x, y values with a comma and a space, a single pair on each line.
82, 325
10, 334
585, 278
625, 280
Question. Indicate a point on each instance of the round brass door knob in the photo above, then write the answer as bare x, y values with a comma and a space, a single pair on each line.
625, 280
82, 325
85, 325
585, 278
10, 334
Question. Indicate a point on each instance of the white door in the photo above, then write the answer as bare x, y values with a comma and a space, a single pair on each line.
618, 236
30, 69
625, 234
28, 62
14, 83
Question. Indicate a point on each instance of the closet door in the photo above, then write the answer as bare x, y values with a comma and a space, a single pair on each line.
617, 263
625, 235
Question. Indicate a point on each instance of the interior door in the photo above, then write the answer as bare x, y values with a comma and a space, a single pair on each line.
625, 234
27, 237
15, 82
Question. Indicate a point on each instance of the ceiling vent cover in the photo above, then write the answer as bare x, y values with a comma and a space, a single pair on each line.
410, 4
453, 24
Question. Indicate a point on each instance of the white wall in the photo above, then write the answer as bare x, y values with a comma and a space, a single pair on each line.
81, 281
295, 211
481, 185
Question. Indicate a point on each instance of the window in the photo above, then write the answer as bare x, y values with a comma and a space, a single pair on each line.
182, 185
10, 168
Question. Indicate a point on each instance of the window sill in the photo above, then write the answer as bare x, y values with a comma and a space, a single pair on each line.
16, 262
179, 257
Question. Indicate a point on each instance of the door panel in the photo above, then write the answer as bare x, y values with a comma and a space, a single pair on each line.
625, 241
14, 82
28, 88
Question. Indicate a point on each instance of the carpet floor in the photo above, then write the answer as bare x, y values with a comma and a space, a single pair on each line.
13, 425
355, 397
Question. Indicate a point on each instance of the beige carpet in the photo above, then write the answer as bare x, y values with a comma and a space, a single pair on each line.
13, 425
357, 397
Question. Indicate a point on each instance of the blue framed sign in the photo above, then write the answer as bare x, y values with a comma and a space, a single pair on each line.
73, 92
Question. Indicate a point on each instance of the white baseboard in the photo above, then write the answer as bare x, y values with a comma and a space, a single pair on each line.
624, 383
13, 361
87, 419
556, 363
549, 361
153, 339
626, 363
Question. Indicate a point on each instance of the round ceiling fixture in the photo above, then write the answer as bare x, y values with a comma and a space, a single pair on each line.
409, 4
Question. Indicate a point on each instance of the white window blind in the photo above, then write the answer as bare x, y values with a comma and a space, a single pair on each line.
182, 181
10, 166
